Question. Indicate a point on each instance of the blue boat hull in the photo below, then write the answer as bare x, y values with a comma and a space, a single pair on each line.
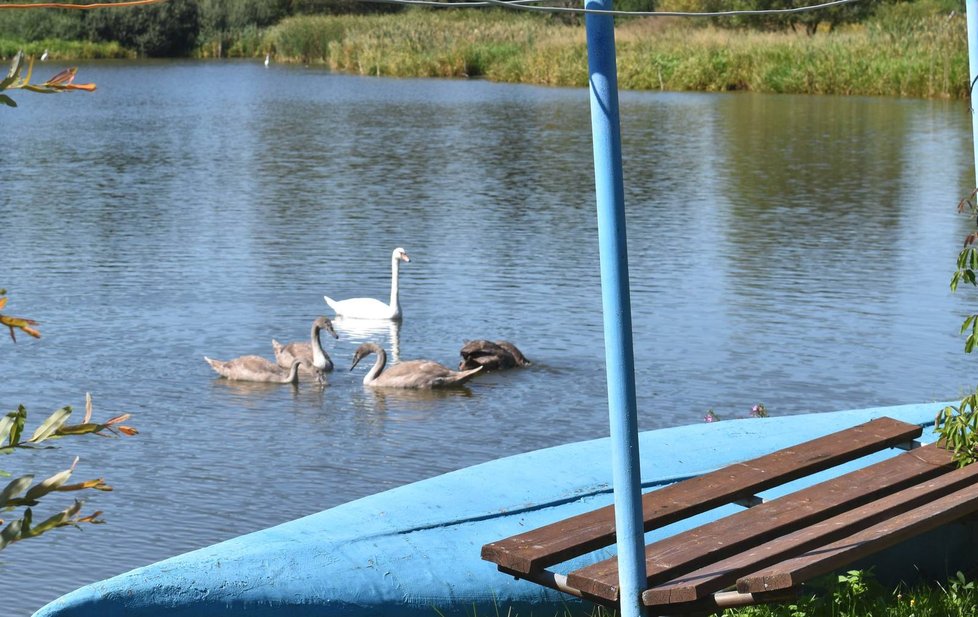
415, 550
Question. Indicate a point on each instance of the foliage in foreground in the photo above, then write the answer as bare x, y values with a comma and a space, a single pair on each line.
23, 492
857, 594
957, 425
62, 82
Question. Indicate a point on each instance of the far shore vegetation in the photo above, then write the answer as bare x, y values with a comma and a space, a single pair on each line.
914, 48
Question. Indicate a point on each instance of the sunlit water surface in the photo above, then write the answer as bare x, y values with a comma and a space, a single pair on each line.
794, 251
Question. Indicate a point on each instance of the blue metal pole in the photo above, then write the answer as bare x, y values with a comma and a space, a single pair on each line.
619, 358
971, 6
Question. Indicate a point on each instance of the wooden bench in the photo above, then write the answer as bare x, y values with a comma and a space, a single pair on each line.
769, 548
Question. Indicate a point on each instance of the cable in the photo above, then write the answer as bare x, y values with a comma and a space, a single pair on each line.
68, 5
526, 6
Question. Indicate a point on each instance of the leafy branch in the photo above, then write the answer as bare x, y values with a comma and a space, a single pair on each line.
957, 425
23, 492
62, 82
27, 325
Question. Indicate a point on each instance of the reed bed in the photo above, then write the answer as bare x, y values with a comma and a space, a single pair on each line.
928, 60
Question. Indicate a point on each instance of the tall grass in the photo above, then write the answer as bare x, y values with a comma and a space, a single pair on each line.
415, 43
931, 62
925, 56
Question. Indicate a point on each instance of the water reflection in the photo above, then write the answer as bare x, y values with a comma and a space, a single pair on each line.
408, 402
384, 332
254, 393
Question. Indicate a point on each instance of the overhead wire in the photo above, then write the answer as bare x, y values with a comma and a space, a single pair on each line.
72, 5
531, 5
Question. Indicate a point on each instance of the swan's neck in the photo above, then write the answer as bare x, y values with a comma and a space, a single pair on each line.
319, 359
293, 373
377, 367
394, 271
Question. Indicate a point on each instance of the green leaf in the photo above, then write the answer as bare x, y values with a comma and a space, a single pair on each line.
80, 429
51, 425
15, 66
58, 520
43, 488
6, 100
6, 424
20, 419
16, 63
15, 488
10, 533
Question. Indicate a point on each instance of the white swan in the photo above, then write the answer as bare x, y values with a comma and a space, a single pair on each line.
268, 58
255, 368
315, 361
416, 374
369, 308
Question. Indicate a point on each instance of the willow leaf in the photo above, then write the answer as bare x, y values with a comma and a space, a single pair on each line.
51, 425
10, 533
43, 488
15, 488
20, 419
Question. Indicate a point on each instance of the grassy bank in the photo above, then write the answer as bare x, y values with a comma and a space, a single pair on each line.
65, 50
908, 49
927, 59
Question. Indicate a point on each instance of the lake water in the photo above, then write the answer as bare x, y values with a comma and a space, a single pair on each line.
789, 250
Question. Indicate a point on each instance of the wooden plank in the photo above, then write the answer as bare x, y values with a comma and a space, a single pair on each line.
716, 540
721, 574
581, 534
871, 540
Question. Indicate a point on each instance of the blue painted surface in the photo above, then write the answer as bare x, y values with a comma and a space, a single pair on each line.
616, 304
407, 551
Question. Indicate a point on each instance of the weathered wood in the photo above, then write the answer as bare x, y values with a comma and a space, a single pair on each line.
723, 573
575, 536
694, 548
863, 543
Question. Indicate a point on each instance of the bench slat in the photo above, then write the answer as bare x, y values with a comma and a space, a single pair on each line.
581, 534
863, 543
696, 547
721, 574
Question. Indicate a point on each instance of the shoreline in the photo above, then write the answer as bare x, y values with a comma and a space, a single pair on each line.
930, 62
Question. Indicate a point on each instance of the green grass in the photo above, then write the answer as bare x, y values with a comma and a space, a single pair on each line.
857, 594
851, 594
